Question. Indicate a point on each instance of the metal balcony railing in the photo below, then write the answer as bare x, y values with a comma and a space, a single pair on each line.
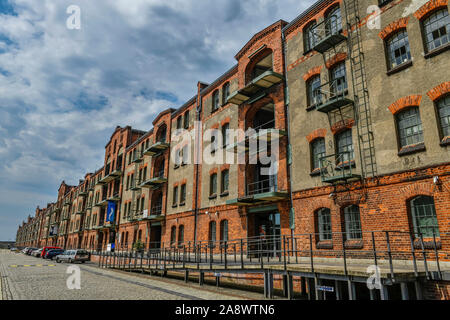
398, 255
156, 210
331, 95
338, 167
262, 186
327, 34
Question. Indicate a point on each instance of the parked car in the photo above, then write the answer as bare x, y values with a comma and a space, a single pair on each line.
72, 256
14, 249
24, 250
30, 250
53, 253
45, 249
36, 253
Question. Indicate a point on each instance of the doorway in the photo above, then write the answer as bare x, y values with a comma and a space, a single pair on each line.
268, 230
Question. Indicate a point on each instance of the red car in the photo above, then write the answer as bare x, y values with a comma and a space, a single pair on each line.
46, 249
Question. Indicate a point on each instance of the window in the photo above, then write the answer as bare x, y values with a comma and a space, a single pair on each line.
313, 93
317, 152
175, 195
309, 36
212, 231
214, 141
178, 158
424, 216
179, 119
436, 29
334, 21
213, 184
338, 79
409, 127
180, 235
186, 120
215, 102
398, 51
324, 224
352, 223
443, 107
224, 230
173, 235
225, 92
225, 181
183, 194
185, 155
225, 136
344, 144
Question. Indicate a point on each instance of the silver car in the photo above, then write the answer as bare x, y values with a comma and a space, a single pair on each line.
36, 253
72, 256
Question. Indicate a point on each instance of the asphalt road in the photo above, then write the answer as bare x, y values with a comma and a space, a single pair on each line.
28, 278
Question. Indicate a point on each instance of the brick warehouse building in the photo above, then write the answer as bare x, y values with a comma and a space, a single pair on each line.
360, 117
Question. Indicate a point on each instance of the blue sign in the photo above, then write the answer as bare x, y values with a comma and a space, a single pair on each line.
111, 213
325, 288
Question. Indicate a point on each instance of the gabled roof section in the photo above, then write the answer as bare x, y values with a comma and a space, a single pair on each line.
279, 24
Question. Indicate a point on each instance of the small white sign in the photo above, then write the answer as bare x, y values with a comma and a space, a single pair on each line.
108, 248
145, 214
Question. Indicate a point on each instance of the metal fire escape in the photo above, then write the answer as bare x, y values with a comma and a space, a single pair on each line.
332, 97
360, 90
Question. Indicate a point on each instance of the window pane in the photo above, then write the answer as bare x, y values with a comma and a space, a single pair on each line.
410, 127
324, 222
338, 79
424, 216
444, 115
345, 146
334, 22
437, 29
314, 95
318, 152
310, 38
398, 49
352, 223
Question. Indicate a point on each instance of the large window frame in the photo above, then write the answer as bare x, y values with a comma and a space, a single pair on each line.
324, 225
409, 127
318, 151
443, 115
436, 29
424, 218
398, 51
352, 222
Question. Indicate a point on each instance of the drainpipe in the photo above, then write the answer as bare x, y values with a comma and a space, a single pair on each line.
197, 157
288, 127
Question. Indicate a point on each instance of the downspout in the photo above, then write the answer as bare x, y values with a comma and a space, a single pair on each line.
288, 127
196, 159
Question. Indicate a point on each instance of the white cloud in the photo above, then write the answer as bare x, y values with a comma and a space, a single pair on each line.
62, 92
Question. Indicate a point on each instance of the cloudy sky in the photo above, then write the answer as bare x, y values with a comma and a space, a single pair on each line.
62, 91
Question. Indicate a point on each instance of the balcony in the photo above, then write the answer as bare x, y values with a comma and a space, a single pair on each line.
103, 202
265, 132
260, 192
111, 177
83, 193
328, 34
332, 96
114, 197
336, 169
137, 156
156, 148
80, 212
135, 184
254, 89
155, 182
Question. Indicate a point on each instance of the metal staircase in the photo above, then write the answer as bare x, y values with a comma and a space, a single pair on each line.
361, 94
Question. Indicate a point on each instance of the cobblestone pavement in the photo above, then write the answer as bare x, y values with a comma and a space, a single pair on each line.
29, 278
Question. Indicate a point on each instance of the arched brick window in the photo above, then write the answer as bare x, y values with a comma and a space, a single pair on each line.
334, 21
224, 230
312, 89
397, 49
409, 126
443, 111
173, 235
436, 29
309, 38
423, 214
317, 152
